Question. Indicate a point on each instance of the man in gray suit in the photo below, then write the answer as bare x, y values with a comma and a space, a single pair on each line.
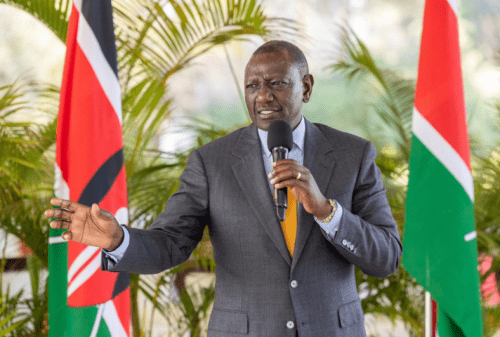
262, 287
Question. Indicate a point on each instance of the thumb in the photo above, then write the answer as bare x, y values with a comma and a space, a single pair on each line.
96, 211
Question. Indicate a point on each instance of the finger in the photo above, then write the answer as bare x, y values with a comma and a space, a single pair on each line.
67, 235
58, 213
60, 224
284, 162
282, 166
290, 183
289, 173
66, 204
95, 210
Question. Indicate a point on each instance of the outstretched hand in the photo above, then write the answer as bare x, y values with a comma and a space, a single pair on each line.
91, 226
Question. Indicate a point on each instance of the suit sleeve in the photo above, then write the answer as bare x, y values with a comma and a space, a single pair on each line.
367, 235
176, 232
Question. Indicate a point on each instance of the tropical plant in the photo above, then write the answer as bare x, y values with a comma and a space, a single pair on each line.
387, 106
9, 315
24, 162
486, 173
26, 185
184, 309
386, 111
155, 39
35, 308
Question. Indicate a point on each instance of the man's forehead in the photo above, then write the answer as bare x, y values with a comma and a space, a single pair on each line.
279, 62
282, 56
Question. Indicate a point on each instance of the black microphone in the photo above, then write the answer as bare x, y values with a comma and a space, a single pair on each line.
280, 142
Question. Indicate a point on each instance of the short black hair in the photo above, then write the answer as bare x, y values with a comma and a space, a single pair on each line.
277, 46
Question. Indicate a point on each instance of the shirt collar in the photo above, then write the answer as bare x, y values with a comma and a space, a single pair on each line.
298, 137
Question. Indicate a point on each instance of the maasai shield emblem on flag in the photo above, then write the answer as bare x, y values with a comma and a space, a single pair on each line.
83, 300
440, 247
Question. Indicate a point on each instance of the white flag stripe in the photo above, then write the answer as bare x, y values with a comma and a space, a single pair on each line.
61, 189
85, 274
454, 5
470, 236
107, 78
443, 151
80, 260
56, 239
121, 216
98, 318
78, 5
113, 322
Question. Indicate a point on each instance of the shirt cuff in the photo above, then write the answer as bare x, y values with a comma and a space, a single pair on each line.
330, 228
116, 255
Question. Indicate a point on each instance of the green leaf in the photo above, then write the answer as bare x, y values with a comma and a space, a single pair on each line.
53, 13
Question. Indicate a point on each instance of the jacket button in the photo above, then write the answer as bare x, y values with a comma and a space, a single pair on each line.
344, 242
290, 325
294, 284
351, 248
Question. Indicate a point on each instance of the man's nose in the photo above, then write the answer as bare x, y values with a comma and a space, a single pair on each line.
264, 95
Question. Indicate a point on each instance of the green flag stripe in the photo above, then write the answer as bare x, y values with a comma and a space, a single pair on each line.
443, 151
65, 321
439, 215
58, 286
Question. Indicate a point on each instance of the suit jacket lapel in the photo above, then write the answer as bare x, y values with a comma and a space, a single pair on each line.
319, 159
251, 176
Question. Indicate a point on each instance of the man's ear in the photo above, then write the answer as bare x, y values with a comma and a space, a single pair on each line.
308, 83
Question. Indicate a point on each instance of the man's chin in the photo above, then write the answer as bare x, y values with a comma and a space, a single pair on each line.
263, 125
265, 122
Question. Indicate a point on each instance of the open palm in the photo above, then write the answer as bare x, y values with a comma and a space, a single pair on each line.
91, 226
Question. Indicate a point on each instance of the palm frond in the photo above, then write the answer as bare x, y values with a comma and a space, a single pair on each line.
26, 162
53, 13
169, 34
389, 95
155, 177
10, 319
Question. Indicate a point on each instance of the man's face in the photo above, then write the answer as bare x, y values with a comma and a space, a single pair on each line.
275, 89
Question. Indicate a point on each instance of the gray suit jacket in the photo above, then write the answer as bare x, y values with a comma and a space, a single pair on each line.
260, 289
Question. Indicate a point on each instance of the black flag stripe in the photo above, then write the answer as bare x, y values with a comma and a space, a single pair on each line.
97, 14
103, 179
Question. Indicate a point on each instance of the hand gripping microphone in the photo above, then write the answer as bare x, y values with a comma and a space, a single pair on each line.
280, 142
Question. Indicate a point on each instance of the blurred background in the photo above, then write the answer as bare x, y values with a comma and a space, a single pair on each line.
364, 57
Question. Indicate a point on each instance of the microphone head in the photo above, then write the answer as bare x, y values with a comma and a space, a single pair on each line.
280, 134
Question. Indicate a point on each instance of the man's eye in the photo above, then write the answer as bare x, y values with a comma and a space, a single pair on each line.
277, 83
251, 86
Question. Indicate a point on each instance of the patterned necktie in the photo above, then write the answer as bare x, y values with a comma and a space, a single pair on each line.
289, 226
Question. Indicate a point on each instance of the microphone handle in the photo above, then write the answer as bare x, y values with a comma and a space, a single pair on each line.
280, 195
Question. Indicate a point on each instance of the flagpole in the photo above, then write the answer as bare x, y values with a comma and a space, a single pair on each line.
428, 314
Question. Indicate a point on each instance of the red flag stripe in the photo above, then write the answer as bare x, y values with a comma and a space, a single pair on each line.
81, 260
93, 265
116, 323
100, 129
439, 85
89, 137
102, 283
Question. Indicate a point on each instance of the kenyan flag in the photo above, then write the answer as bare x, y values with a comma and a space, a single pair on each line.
440, 250
83, 300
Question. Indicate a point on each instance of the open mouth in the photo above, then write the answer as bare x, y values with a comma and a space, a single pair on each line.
265, 113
